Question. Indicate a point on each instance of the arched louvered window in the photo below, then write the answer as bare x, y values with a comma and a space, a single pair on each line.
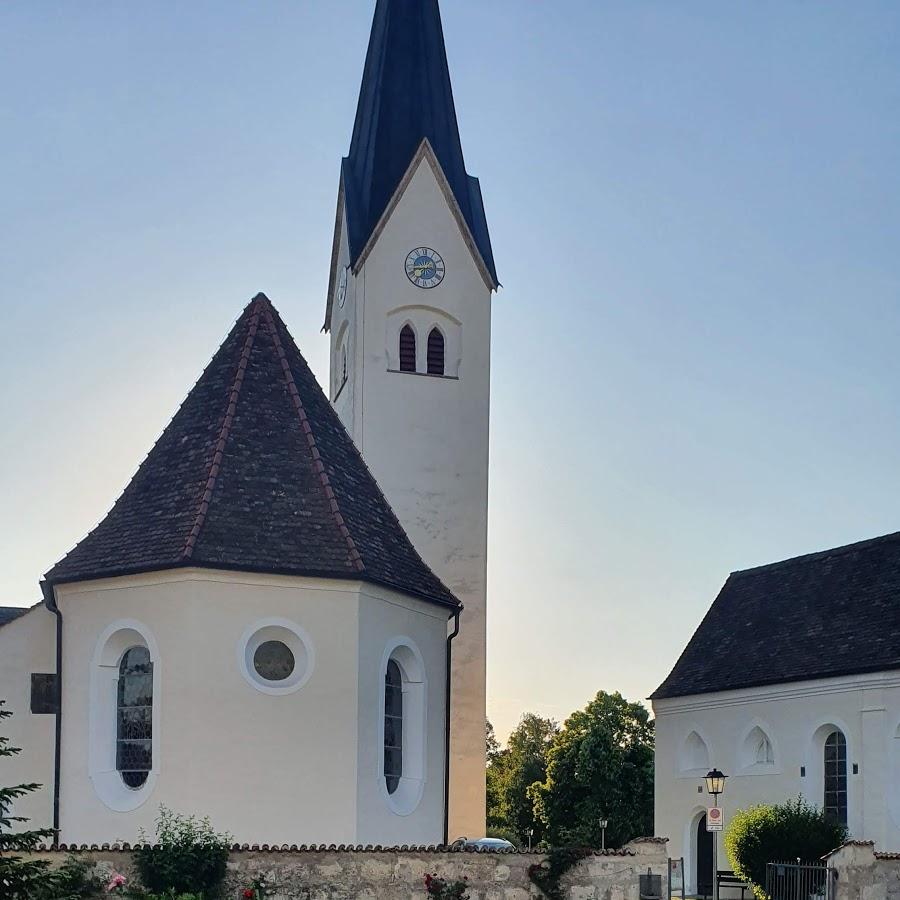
435, 352
134, 716
343, 363
407, 349
393, 726
836, 777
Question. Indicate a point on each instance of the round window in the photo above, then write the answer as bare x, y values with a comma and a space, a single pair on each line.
275, 656
273, 661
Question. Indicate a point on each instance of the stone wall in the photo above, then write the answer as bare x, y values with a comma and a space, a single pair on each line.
863, 874
320, 873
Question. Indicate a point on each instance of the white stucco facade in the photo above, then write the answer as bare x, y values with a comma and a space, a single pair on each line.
425, 438
770, 742
301, 763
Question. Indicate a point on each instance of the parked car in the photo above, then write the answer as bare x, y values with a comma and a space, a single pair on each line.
489, 843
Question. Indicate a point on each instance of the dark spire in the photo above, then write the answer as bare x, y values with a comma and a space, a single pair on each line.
406, 96
255, 473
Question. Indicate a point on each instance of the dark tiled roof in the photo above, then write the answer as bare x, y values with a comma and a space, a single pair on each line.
823, 615
255, 472
405, 97
8, 613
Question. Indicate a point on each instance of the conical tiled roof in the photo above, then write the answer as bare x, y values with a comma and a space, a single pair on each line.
405, 97
255, 473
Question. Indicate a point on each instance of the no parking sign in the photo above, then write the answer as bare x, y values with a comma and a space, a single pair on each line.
715, 818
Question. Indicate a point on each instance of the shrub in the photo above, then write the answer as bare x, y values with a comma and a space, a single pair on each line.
20, 877
187, 857
446, 890
785, 831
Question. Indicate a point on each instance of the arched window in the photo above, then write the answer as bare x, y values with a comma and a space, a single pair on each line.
694, 754
407, 349
134, 717
836, 777
435, 352
764, 755
393, 726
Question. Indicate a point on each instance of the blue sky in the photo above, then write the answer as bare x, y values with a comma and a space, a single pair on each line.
695, 211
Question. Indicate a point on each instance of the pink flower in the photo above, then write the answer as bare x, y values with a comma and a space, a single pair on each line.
116, 880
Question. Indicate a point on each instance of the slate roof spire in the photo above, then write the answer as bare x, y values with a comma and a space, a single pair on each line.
255, 473
405, 97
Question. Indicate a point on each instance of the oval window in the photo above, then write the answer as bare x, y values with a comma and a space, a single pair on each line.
273, 661
275, 656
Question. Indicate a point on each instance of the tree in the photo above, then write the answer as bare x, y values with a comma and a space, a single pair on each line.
492, 745
511, 773
20, 878
791, 830
599, 766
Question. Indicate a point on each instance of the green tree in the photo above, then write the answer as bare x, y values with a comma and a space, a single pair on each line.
20, 878
512, 771
791, 830
599, 766
492, 745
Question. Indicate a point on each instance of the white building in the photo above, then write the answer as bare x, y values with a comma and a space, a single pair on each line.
259, 630
790, 685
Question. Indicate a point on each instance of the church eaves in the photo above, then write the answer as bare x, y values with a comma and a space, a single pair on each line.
255, 473
406, 97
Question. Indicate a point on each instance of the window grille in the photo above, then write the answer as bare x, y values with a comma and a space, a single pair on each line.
134, 716
836, 777
407, 349
435, 352
393, 726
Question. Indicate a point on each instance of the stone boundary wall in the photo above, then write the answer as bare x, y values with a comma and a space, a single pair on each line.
369, 873
864, 874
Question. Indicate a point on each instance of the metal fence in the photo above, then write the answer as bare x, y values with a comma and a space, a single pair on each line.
799, 881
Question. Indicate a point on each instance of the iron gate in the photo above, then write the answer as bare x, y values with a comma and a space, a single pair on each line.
799, 881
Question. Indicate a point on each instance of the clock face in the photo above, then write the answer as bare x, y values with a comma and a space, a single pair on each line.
342, 287
425, 267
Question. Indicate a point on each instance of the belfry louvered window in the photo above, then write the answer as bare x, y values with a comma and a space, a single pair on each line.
435, 352
134, 716
393, 726
407, 349
836, 777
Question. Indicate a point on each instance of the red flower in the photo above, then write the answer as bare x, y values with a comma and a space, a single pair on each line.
249, 893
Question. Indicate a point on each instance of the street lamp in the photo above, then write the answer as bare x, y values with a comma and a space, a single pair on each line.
715, 784
603, 824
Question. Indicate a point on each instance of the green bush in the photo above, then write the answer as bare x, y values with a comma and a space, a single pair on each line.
785, 831
187, 857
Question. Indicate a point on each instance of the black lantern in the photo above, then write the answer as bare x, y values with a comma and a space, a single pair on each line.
715, 782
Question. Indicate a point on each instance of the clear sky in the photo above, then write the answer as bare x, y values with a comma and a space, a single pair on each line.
695, 212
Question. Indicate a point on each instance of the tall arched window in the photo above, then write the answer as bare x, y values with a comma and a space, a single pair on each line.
393, 726
836, 777
134, 717
435, 352
407, 349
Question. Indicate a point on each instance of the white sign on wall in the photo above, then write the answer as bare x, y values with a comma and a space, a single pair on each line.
715, 818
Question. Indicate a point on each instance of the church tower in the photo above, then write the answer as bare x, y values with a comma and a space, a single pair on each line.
409, 317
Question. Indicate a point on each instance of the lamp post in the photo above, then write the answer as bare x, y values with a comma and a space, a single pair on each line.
603, 824
715, 784
530, 833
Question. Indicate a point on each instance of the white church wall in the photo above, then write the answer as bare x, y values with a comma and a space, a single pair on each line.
263, 766
414, 633
796, 718
27, 645
426, 438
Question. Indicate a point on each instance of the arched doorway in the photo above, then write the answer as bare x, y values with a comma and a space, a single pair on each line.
704, 861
